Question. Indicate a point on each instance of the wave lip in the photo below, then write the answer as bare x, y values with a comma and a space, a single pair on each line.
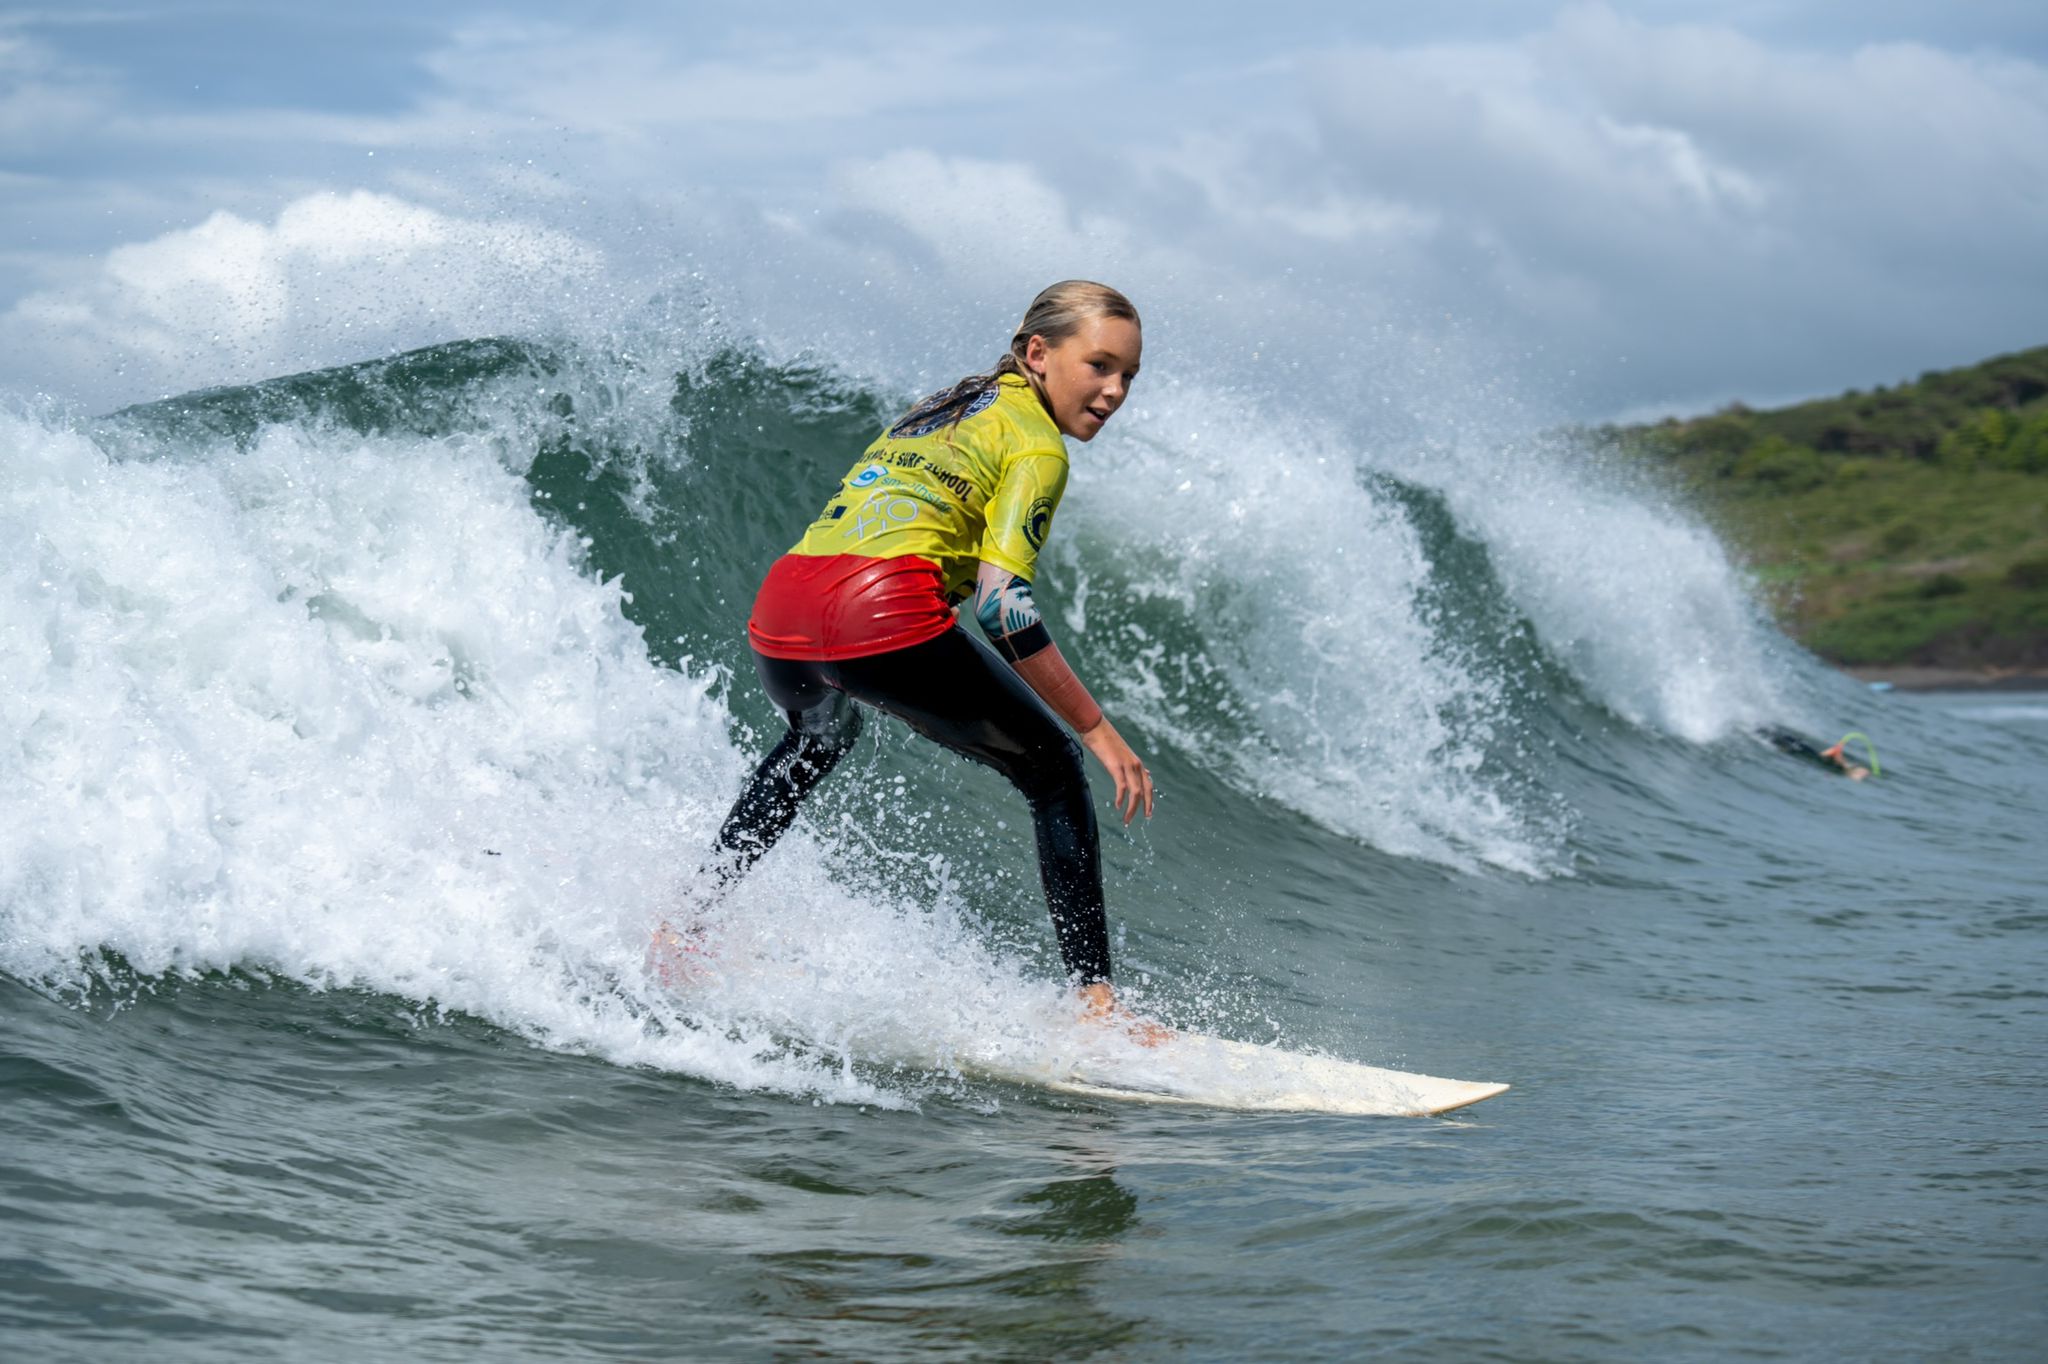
349, 711
416, 677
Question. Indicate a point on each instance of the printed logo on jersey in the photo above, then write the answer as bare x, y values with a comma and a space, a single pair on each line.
1037, 522
881, 512
918, 424
867, 476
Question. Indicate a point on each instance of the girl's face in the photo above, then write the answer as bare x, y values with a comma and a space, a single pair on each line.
1088, 375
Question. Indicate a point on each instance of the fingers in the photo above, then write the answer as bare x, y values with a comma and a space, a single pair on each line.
1133, 782
1141, 791
1134, 791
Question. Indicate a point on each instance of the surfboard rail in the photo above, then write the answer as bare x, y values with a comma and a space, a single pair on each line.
1196, 1070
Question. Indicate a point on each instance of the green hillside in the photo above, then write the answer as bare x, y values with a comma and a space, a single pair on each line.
1900, 526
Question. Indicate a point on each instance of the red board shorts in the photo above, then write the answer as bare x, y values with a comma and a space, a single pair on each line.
830, 606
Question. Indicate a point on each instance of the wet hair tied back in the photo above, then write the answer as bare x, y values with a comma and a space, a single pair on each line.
1056, 314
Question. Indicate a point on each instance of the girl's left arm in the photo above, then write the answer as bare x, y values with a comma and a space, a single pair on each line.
1008, 615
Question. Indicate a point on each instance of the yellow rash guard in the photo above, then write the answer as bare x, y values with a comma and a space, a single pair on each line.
902, 538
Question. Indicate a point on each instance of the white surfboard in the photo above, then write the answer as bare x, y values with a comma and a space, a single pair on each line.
1194, 1069
1187, 1068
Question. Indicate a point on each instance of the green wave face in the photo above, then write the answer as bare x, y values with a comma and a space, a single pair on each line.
428, 676
1283, 615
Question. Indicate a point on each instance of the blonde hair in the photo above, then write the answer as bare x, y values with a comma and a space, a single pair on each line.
1056, 314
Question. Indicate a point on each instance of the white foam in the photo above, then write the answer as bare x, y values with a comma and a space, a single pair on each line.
336, 276
1639, 601
1306, 586
349, 711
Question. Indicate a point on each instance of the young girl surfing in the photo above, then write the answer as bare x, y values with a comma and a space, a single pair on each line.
955, 500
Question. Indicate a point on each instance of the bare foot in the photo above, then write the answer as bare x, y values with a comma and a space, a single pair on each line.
1098, 1005
677, 957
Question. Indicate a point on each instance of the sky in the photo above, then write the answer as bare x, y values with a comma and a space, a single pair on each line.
1617, 210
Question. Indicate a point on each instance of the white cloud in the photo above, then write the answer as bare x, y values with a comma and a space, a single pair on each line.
1218, 165
44, 99
972, 212
1694, 199
1493, 137
621, 84
333, 278
1736, 216
1924, 139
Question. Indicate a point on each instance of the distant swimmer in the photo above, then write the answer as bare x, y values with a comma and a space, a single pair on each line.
1835, 757
954, 501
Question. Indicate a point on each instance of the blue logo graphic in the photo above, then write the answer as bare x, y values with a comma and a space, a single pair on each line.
867, 476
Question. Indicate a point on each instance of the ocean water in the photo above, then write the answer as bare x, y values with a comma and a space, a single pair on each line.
354, 727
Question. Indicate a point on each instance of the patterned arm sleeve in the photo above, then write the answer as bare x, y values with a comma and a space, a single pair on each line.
1009, 617
1008, 614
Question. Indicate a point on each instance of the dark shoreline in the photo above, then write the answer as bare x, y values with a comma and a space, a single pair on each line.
1913, 678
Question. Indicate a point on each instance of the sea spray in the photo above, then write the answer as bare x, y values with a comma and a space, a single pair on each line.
353, 712
1636, 598
426, 677
1261, 586
1257, 601
347, 711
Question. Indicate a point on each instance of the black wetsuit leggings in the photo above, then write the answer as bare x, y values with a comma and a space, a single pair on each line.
955, 691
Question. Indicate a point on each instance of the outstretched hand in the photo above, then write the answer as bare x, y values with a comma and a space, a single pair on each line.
1133, 782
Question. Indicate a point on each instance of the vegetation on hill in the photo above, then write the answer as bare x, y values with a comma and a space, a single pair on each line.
1902, 526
